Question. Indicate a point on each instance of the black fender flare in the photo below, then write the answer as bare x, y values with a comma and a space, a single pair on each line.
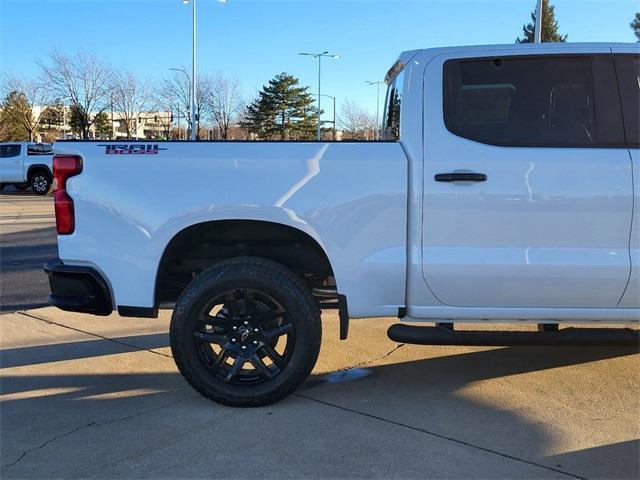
39, 166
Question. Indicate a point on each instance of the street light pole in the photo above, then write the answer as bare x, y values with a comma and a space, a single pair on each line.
319, 57
194, 124
334, 113
538, 27
193, 68
370, 82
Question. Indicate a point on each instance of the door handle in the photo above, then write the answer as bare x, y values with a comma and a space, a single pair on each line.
460, 177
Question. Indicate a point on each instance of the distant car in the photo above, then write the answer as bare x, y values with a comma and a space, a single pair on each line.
26, 165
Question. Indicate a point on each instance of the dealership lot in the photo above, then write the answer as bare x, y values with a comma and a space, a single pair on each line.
100, 396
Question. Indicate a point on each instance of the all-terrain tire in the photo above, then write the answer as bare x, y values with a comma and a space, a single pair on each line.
259, 275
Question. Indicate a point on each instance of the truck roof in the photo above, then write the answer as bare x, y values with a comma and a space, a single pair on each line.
522, 47
546, 47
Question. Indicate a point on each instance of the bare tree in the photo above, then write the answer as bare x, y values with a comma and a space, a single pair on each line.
356, 121
34, 97
225, 102
83, 80
131, 97
175, 93
5, 131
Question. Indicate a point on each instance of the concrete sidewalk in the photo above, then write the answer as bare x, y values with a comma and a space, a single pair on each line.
100, 397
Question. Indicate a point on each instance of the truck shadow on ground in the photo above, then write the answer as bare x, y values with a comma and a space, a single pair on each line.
427, 395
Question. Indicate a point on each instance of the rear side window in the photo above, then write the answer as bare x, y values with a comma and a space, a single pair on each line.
39, 149
529, 101
8, 151
628, 70
393, 104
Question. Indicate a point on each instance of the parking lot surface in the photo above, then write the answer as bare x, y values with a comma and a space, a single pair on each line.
100, 397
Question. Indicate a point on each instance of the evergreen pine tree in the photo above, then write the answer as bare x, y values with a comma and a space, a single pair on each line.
52, 116
13, 110
102, 124
283, 110
635, 25
78, 119
549, 26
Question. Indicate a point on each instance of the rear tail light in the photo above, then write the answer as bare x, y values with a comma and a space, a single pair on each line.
64, 166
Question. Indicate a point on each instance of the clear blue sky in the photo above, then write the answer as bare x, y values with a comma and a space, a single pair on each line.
256, 39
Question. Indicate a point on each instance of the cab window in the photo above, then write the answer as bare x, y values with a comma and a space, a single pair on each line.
393, 103
8, 151
532, 101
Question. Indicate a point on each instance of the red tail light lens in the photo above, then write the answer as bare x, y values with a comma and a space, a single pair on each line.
64, 166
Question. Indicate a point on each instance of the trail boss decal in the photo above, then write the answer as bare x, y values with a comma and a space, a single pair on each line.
134, 149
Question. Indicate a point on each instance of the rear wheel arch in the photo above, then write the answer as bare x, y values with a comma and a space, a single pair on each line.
198, 246
40, 167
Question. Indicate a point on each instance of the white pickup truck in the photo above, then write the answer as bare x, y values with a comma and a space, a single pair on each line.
504, 192
26, 164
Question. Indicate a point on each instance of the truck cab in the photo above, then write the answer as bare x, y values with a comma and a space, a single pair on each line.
26, 165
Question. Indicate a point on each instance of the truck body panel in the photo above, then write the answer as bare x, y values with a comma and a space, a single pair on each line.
349, 197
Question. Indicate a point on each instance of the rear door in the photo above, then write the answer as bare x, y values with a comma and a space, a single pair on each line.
627, 61
527, 183
11, 163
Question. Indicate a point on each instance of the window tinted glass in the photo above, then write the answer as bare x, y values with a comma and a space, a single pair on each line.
39, 149
537, 101
628, 70
391, 121
7, 151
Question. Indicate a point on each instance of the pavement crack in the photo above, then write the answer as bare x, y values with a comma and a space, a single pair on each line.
366, 363
439, 435
50, 322
44, 444
94, 424
393, 350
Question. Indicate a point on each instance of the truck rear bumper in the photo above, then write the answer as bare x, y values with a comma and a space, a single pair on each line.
78, 289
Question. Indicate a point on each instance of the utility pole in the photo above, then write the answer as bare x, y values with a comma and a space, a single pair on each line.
538, 27
113, 135
193, 67
334, 113
377, 83
319, 57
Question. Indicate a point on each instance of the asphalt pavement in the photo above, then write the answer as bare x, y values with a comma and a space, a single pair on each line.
100, 397
27, 240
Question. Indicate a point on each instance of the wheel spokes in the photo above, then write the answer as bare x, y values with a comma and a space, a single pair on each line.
217, 338
235, 368
237, 332
257, 362
274, 356
271, 314
278, 331
221, 358
216, 321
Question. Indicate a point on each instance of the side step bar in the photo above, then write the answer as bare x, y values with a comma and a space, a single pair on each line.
613, 337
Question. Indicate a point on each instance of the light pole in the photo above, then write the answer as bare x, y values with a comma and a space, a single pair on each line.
538, 28
190, 107
319, 57
192, 90
193, 66
377, 83
334, 113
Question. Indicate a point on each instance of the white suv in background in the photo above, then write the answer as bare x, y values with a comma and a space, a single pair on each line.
26, 164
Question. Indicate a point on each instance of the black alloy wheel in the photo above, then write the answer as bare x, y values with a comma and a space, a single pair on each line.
246, 332
244, 337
